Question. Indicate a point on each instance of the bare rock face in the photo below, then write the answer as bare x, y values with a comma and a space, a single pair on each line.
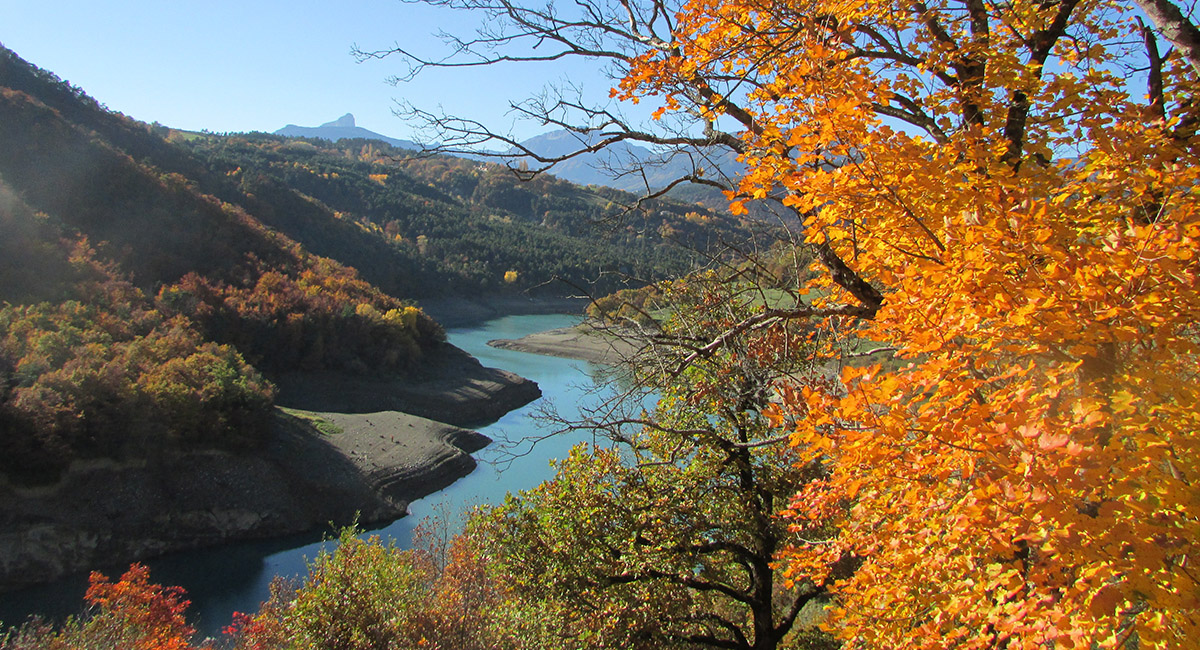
99, 512
345, 121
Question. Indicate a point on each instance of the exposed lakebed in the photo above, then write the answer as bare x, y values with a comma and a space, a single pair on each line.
235, 577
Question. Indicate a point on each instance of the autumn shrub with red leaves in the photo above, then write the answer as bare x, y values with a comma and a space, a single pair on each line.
129, 614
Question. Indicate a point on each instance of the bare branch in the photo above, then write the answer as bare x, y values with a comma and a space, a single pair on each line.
859, 355
766, 319
1154, 77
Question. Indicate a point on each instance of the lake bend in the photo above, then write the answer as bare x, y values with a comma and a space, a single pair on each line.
236, 577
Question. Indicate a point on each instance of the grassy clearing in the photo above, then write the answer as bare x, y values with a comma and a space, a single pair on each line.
312, 420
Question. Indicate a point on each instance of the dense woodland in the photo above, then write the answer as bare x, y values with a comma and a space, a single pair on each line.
101, 370
418, 226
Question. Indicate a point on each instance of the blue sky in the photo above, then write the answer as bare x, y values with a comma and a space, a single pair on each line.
229, 65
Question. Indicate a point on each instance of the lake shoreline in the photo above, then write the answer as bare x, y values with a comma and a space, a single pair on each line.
236, 575
397, 439
459, 311
584, 342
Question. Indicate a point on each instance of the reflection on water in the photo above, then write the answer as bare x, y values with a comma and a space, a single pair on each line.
236, 577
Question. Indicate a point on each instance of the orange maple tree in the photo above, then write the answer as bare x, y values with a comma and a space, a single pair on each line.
1021, 221
1001, 197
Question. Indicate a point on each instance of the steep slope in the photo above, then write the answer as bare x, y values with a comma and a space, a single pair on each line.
422, 226
203, 257
140, 306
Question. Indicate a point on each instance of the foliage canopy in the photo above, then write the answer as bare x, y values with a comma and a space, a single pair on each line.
665, 535
1003, 195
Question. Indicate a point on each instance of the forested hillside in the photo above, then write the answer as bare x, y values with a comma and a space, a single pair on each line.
154, 271
135, 304
420, 226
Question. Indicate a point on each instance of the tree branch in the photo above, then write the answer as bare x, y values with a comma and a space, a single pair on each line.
1175, 27
1041, 43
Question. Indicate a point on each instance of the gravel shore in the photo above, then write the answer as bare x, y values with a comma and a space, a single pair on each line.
584, 342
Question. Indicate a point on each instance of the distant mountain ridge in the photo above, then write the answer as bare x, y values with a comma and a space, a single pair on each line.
595, 168
598, 168
343, 128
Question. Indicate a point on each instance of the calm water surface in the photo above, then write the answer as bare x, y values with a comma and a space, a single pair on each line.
225, 579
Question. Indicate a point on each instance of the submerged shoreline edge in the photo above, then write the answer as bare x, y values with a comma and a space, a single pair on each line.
393, 440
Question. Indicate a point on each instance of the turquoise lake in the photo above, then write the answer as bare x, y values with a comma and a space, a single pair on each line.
225, 579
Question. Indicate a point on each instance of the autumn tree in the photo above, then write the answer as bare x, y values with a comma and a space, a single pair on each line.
361, 595
370, 595
1001, 194
131, 613
665, 534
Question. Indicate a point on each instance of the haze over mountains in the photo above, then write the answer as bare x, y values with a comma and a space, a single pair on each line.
624, 165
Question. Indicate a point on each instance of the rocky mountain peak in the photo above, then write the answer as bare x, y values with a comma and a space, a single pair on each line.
346, 120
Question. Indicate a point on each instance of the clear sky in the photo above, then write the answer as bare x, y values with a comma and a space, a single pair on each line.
257, 65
